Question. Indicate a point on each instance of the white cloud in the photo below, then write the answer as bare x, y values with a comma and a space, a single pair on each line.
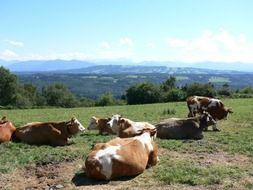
52, 56
105, 45
114, 54
150, 45
221, 46
125, 41
16, 43
8, 55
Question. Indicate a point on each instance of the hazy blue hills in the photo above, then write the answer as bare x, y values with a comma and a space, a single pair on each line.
124, 66
50, 65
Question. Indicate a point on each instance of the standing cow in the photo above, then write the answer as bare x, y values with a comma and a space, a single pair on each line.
215, 107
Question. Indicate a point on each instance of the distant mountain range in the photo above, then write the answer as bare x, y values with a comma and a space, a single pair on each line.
107, 67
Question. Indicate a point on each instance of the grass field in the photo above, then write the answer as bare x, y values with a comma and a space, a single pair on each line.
221, 160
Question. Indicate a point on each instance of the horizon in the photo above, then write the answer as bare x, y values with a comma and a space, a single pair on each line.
136, 31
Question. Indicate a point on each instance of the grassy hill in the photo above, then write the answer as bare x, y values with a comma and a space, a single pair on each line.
222, 160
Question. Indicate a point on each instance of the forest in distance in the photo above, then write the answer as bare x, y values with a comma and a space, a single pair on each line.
93, 85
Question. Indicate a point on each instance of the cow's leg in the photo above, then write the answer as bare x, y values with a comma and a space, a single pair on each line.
56, 138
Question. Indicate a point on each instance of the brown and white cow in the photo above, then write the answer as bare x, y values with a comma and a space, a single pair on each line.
124, 127
100, 124
122, 157
7, 128
198, 104
52, 133
184, 128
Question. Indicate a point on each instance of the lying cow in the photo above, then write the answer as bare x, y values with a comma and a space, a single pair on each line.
7, 128
198, 104
52, 133
101, 125
186, 128
122, 157
124, 127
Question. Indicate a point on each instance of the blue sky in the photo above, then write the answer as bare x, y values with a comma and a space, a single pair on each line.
137, 30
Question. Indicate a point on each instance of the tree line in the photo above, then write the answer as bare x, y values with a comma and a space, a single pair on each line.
14, 94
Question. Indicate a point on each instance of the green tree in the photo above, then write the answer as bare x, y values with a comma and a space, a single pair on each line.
225, 90
8, 87
200, 89
246, 90
59, 95
169, 84
106, 99
174, 94
143, 93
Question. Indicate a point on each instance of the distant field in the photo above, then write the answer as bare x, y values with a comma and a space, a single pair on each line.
219, 80
222, 160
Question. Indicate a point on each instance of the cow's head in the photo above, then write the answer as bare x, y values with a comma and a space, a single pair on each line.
114, 122
93, 123
151, 132
75, 126
225, 112
206, 119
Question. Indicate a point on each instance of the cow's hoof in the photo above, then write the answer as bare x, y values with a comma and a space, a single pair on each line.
218, 130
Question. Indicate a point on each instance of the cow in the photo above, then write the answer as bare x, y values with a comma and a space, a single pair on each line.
184, 128
122, 157
101, 125
7, 128
124, 127
50, 133
198, 104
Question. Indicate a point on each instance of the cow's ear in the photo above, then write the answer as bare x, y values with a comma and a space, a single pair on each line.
73, 119
153, 132
122, 120
230, 110
4, 118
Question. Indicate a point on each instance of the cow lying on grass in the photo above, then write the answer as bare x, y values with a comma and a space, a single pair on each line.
51, 133
100, 124
215, 107
186, 128
124, 127
122, 157
7, 128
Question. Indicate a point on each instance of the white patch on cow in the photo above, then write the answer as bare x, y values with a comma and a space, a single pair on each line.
113, 123
194, 108
93, 123
105, 157
213, 102
80, 126
145, 139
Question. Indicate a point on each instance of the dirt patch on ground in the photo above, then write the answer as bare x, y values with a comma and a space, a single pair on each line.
69, 174
45, 175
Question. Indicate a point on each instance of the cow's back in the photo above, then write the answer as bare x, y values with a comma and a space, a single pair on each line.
178, 129
35, 134
131, 158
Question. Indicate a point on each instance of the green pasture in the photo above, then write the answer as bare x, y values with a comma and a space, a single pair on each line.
219, 80
222, 158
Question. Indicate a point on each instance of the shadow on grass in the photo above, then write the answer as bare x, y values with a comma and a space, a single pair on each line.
80, 179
